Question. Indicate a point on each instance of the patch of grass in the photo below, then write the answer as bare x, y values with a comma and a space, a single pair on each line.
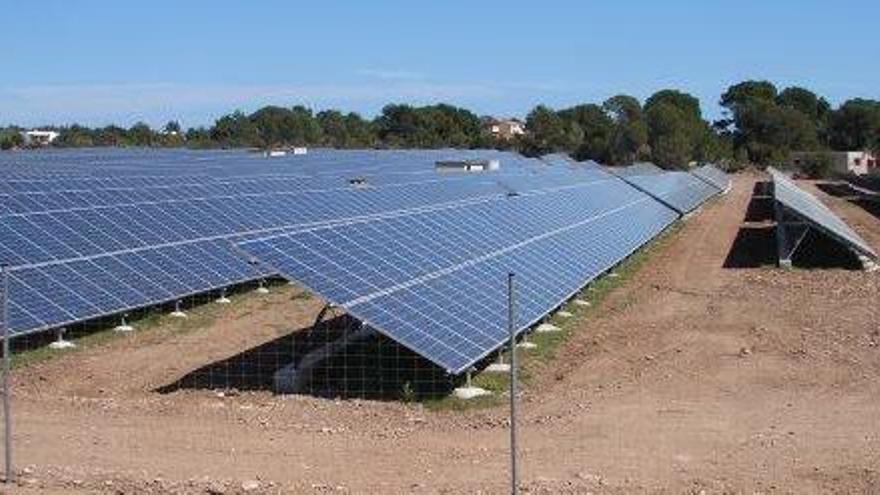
548, 344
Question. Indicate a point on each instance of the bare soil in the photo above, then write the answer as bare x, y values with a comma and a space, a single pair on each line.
709, 371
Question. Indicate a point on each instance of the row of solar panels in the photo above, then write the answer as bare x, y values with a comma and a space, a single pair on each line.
73, 263
809, 209
435, 281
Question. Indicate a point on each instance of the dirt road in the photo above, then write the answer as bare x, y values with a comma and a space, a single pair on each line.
706, 371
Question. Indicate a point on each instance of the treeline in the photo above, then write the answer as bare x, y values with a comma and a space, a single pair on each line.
761, 125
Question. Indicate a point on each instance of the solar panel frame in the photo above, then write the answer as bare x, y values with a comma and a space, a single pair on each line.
811, 209
366, 292
714, 176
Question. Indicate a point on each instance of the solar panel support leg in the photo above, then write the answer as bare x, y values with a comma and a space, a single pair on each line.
124, 326
223, 299
262, 289
294, 377
177, 313
60, 343
789, 236
868, 264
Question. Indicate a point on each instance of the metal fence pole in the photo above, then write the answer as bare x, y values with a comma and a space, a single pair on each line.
511, 328
7, 408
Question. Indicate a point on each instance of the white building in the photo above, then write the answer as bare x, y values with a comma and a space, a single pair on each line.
37, 137
845, 162
505, 128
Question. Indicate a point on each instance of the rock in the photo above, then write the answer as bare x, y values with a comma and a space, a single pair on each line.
250, 485
216, 488
744, 351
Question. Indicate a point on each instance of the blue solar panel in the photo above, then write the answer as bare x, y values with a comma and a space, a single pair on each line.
435, 281
713, 175
808, 207
130, 229
95, 232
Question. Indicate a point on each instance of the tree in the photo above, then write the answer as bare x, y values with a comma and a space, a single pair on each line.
10, 138
768, 132
818, 166
547, 132
597, 128
805, 101
768, 126
856, 125
432, 126
740, 94
676, 129
74, 136
671, 135
630, 136
233, 130
141, 134
333, 128
687, 104
111, 135
359, 131
746, 91
172, 127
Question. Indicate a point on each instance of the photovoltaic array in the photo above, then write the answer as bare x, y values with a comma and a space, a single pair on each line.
420, 256
807, 207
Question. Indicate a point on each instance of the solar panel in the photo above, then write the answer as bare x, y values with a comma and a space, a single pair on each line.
680, 191
810, 209
84, 247
435, 281
713, 175
636, 169
52, 294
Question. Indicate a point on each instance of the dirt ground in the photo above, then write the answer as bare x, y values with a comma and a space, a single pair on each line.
710, 371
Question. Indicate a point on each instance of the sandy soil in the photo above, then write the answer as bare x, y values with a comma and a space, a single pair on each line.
709, 371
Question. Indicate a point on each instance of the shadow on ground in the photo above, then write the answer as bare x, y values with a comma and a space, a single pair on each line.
375, 368
842, 190
755, 245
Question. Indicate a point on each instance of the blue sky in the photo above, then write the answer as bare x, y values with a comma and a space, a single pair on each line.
96, 61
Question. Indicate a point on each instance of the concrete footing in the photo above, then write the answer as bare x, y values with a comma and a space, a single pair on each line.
123, 327
547, 328
582, 302
177, 313
564, 314
498, 368
527, 345
60, 343
262, 290
467, 393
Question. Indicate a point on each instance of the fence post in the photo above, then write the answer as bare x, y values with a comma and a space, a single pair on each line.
7, 407
511, 328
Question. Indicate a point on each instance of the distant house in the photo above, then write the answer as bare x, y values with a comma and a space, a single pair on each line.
37, 137
505, 128
844, 162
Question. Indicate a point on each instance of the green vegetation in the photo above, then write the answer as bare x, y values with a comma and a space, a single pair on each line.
761, 125
820, 166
